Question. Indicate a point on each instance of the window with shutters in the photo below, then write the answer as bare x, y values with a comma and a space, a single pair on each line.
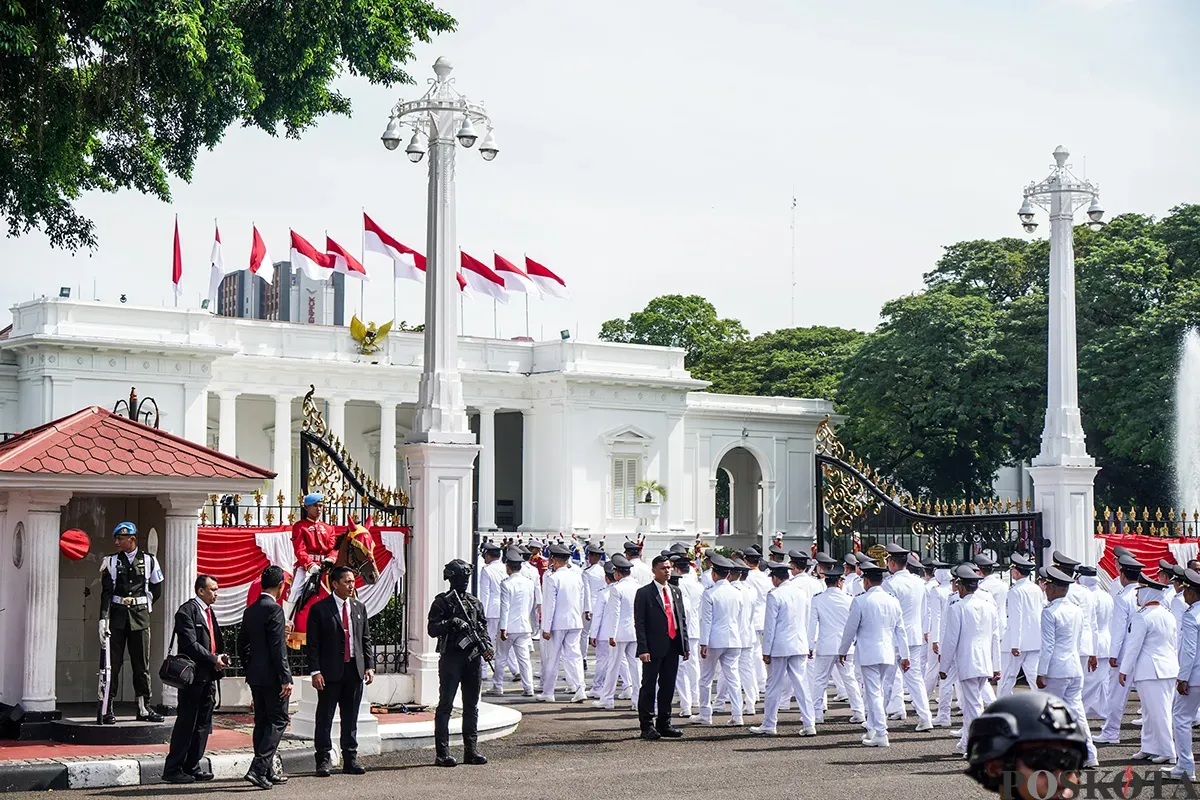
626, 472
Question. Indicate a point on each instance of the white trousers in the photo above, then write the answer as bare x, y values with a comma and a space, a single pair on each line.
1118, 698
945, 703
1095, 690
749, 675
603, 662
493, 629
687, 682
624, 652
726, 660
760, 669
1157, 696
820, 669
1071, 692
515, 649
931, 672
914, 682
970, 698
875, 678
1183, 714
562, 648
785, 671
1011, 667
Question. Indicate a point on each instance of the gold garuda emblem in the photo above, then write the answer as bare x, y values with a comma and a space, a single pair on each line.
367, 335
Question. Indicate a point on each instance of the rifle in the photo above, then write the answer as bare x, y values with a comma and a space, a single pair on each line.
105, 688
472, 642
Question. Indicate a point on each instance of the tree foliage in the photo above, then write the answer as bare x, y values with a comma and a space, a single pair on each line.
674, 320
119, 94
792, 362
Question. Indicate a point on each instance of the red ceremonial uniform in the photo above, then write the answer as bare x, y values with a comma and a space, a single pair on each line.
313, 541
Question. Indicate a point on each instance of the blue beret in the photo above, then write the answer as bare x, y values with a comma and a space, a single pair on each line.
312, 498
125, 528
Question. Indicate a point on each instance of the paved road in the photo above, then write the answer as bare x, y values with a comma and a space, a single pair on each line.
583, 753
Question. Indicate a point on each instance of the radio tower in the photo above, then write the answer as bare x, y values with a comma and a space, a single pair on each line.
793, 257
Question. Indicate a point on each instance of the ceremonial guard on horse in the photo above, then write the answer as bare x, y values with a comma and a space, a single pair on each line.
130, 585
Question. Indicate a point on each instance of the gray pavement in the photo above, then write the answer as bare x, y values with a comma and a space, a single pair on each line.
583, 753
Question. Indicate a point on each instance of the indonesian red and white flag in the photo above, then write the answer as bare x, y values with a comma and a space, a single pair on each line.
343, 262
260, 260
480, 278
547, 281
177, 262
218, 270
462, 283
407, 263
316, 265
515, 279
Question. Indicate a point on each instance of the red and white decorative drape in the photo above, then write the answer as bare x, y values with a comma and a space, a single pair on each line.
236, 557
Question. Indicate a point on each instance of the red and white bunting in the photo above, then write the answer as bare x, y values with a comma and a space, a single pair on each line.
546, 281
480, 278
177, 262
407, 263
316, 265
343, 262
515, 279
217, 273
260, 260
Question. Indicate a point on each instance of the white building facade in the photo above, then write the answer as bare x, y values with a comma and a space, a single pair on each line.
567, 429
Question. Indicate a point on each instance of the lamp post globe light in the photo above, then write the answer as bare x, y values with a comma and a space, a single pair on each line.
438, 120
1063, 473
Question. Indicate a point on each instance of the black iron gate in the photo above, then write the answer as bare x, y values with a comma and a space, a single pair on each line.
858, 509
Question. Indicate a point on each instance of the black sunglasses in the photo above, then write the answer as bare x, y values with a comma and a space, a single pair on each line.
1052, 759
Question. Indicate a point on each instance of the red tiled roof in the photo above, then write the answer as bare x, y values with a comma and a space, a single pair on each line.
98, 442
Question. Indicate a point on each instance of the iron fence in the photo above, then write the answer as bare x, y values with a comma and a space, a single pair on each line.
236, 511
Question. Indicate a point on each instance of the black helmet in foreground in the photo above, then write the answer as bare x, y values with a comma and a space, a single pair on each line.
1018, 719
456, 570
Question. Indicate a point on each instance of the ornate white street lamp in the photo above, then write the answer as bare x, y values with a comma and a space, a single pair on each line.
1063, 472
440, 453
438, 119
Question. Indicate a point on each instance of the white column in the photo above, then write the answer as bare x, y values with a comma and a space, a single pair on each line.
387, 444
282, 463
178, 560
706, 517
439, 479
40, 549
529, 514
227, 423
673, 471
195, 413
1063, 473
487, 468
337, 418
768, 516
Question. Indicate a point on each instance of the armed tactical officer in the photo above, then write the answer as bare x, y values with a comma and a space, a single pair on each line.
131, 583
457, 621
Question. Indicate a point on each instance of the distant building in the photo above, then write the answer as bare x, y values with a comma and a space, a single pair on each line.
292, 297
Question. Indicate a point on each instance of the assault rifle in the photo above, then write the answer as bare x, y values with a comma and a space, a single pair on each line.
473, 640
105, 688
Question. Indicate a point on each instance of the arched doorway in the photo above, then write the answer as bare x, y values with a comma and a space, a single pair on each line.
739, 495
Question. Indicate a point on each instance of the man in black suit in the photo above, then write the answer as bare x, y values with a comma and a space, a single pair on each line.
341, 657
262, 646
197, 636
661, 626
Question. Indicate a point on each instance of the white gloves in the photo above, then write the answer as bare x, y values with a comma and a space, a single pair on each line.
103, 628
313, 569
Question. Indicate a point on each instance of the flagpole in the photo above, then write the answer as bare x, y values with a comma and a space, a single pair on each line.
526, 312
362, 259
176, 291
495, 318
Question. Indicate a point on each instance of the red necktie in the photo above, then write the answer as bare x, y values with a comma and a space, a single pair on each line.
346, 625
670, 613
212, 638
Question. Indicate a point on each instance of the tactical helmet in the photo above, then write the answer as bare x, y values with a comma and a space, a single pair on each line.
456, 569
1018, 719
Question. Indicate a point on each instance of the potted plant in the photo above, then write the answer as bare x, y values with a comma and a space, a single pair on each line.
648, 506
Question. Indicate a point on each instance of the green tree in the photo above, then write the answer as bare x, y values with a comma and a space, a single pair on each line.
792, 362
674, 320
116, 94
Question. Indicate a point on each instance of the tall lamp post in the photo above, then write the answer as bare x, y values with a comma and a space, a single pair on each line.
440, 453
1063, 473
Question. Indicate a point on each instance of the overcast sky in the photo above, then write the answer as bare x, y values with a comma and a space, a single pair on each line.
652, 147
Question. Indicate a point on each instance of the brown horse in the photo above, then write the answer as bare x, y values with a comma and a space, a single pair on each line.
356, 550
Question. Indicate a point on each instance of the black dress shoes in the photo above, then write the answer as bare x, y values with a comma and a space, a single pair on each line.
352, 767
152, 716
324, 767
474, 758
277, 778
445, 761
670, 732
259, 780
178, 777
649, 734
201, 775
109, 719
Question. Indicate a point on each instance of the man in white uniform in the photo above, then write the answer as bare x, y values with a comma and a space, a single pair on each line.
515, 633
490, 576
785, 648
687, 685
1124, 608
826, 625
936, 593
875, 627
910, 591
619, 631
1150, 659
594, 582
562, 621
760, 581
720, 640
1187, 704
640, 570
1082, 598
1022, 641
1060, 669
971, 648
851, 580
603, 651
1095, 685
